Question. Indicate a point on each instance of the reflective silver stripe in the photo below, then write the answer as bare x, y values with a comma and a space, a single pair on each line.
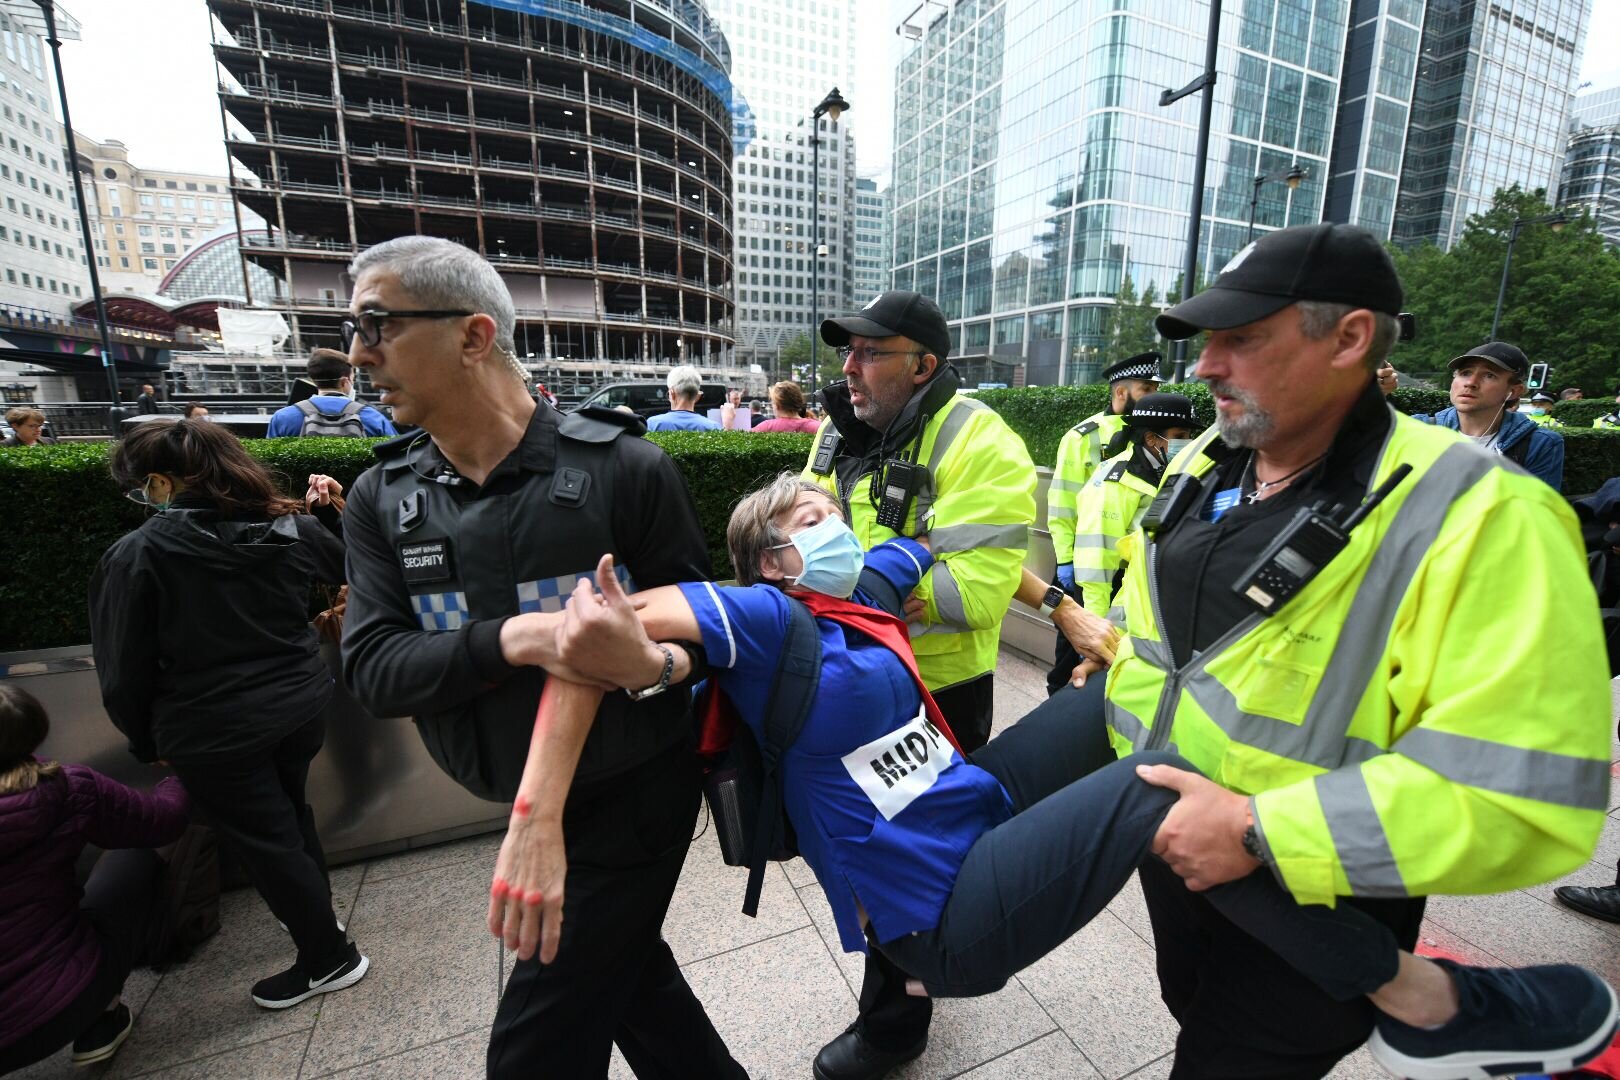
1064, 485
962, 410
1560, 779
1321, 739
1358, 834
1116, 615
967, 537
1125, 722
1059, 513
1092, 575
1156, 653
947, 595
1095, 540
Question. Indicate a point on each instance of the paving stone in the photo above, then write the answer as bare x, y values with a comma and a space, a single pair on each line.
705, 916
776, 1003
1158, 1069
433, 972
484, 848
275, 1059
457, 1058
1130, 907
1523, 930
1102, 989
1051, 1057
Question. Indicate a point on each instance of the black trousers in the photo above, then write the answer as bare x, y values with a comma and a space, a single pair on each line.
257, 805
121, 901
614, 979
888, 1016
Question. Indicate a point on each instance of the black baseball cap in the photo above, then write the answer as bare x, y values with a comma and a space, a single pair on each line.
1509, 358
1161, 412
906, 314
1338, 264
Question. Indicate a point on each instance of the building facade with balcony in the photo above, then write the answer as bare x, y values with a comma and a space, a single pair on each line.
583, 148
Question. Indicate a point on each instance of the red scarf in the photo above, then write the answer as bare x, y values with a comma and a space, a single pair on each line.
719, 718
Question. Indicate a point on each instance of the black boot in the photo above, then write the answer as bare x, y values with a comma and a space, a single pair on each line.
851, 1057
1598, 901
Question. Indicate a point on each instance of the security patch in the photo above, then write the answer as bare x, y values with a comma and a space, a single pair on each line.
426, 560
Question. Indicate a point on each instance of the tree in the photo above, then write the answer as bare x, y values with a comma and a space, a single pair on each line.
796, 355
1563, 289
1128, 329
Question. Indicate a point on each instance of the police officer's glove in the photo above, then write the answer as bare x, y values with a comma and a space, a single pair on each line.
1065, 575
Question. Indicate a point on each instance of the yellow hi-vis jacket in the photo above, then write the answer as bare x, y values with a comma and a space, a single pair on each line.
1430, 714
977, 518
1109, 509
1079, 453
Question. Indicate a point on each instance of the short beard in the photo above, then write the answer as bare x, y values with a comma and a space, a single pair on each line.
1251, 430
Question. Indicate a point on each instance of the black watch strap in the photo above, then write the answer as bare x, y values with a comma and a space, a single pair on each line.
663, 678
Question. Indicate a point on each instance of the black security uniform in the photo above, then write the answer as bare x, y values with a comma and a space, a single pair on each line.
1244, 1012
436, 565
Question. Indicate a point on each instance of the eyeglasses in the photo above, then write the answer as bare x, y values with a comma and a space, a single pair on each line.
367, 326
868, 355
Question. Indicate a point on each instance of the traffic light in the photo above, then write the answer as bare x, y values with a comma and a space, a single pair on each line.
1538, 377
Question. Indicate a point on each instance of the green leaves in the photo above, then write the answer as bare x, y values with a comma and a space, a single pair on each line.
1563, 289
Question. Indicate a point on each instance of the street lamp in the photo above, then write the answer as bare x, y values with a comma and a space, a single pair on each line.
832, 105
48, 10
1206, 83
1292, 178
1555, 221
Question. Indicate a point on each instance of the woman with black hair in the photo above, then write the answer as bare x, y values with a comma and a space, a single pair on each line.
208, 661
64, 951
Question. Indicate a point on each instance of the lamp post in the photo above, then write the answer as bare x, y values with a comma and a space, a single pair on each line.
1206, 83
832, 105
48, 8
1292, 178
1556, 221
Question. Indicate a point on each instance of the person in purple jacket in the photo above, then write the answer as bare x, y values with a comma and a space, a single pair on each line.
65, 952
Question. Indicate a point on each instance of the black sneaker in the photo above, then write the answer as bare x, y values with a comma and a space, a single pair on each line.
295, 984
1548, 1019
104, 1037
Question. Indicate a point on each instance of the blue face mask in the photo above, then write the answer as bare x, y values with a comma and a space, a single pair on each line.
833, 558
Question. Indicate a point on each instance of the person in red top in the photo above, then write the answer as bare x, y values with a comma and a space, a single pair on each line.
788, 402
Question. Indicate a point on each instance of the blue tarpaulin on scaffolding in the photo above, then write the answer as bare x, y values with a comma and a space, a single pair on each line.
710, 76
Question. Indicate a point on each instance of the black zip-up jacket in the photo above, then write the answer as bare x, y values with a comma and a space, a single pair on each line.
201, 629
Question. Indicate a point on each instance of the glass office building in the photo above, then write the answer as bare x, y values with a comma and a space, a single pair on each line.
1034, 169
1492, 97
871, 241
1375, 101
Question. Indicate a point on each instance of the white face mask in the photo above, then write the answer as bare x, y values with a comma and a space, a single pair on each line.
1176, 447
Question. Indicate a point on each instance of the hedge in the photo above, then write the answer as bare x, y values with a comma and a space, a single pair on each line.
1582, 412
67, 510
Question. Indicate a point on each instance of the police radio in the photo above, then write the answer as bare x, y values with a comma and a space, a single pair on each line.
1308, 543
1171, 503
901, 482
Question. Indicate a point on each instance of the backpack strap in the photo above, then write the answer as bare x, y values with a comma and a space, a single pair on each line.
792, 692
351, 408
308, 408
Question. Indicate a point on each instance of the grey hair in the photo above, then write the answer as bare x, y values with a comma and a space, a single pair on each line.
443, 274
1317, 319
752, 529
684, 381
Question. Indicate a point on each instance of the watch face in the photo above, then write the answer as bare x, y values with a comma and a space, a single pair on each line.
1054, 597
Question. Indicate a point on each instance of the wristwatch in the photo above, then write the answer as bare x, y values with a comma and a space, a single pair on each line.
1049, 603
663, 679
1252, 845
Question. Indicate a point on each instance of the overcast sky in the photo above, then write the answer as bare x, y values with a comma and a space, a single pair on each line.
144, 74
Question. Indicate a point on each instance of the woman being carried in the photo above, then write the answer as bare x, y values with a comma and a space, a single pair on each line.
964, 871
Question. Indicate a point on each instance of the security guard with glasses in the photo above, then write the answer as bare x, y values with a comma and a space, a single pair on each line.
906, 454
491, 512
1342, 617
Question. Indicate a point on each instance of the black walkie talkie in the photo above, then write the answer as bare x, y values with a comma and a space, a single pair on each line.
1308, 543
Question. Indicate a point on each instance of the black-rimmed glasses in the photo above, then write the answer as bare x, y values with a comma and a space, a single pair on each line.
367, 326
868, 355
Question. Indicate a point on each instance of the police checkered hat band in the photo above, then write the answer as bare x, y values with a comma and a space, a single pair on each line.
1162, 411
1143, 367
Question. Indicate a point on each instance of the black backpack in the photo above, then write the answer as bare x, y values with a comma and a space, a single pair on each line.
345, 423
188, 914
743, 785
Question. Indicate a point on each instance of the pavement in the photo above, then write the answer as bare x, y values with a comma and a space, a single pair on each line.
777, 987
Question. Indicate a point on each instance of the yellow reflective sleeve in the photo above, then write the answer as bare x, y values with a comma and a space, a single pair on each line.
986, 481
1068, 477
1498, 775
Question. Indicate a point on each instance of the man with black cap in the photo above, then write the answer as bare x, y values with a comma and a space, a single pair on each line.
905, 454
1303, 615
1484, 383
